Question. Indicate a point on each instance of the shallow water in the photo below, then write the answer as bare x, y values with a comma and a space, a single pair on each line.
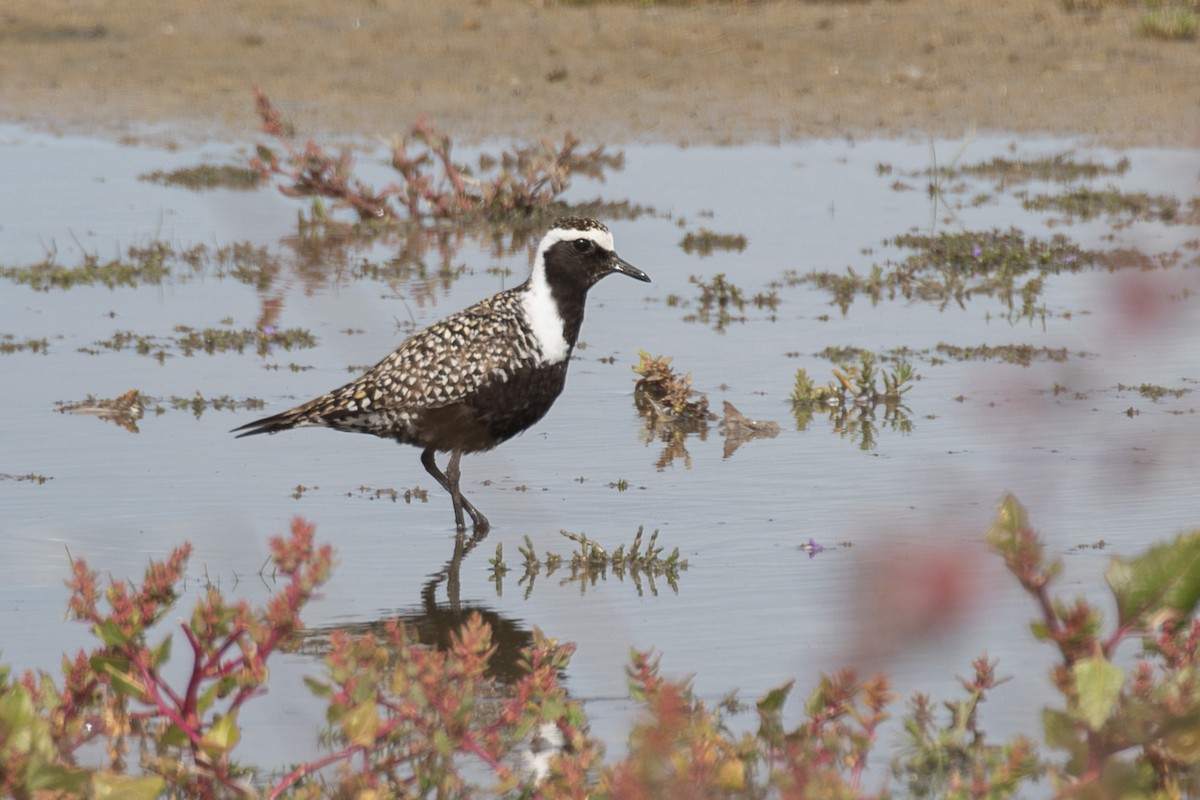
905, 583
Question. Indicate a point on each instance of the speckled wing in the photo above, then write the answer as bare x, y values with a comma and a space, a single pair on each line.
440, 366
449, 361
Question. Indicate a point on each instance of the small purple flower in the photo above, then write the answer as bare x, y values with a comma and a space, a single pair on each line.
977, 252
268, 331
811, 547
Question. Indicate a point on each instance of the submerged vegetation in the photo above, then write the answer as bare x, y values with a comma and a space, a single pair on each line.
1022, 354
1153, 392
207, 176
30, 476
722, 302
189, 341
151, 264
123, 720
9, 344
704, 242
197, 404
955, 267
1083, 203
1059, 168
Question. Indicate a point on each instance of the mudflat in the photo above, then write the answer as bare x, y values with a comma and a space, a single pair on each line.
611, 72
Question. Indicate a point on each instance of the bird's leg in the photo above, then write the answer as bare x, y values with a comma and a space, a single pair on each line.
430, 464
449, 481
480, 522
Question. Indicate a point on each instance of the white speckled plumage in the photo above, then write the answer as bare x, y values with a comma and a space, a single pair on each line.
481, 376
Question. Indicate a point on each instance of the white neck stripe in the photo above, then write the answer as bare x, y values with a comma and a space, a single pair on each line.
540, 307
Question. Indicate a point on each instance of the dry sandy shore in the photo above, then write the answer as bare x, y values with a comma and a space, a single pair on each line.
612, 72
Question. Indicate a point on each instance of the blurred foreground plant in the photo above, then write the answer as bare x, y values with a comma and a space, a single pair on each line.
1151, 712
412, 721
118, 694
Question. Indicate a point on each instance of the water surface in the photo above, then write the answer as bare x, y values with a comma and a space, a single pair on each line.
904, 583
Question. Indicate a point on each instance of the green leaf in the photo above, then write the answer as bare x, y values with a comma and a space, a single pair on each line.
773, 700
16, 708
55, 777
124, 787
770, 726
173, 736
222, 736
122, 680
207, 698
361, 723
161, 654
318, 688
1013, 537
22, 731
1164, 578
1040, 630
1062, 733
1098, 686
110, 633
442, 743
1182, 738
1010, 521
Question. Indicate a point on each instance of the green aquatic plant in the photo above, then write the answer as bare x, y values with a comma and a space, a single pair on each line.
198, 404
1154, 392
9, 344
720, 302
30, 476
856, 384
1060, 168
671, 408
670, 395
1083, 203
207, 176
860, 399
590, 563
151, 264
947, 268
703, 242
189, 341
1020, 354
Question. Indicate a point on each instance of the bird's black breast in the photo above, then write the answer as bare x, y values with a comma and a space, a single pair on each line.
497, 410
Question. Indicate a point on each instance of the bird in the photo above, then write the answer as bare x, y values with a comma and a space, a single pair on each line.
478, 377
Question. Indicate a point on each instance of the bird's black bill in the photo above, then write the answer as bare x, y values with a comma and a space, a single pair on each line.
625, 268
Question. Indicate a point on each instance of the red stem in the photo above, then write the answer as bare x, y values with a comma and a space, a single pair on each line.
152, 685
304, 770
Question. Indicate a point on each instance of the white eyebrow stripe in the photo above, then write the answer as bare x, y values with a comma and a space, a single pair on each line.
601, 237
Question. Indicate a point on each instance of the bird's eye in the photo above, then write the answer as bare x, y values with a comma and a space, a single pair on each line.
583, 245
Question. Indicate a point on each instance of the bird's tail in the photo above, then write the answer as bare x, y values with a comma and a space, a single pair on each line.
298, 417
327, 410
